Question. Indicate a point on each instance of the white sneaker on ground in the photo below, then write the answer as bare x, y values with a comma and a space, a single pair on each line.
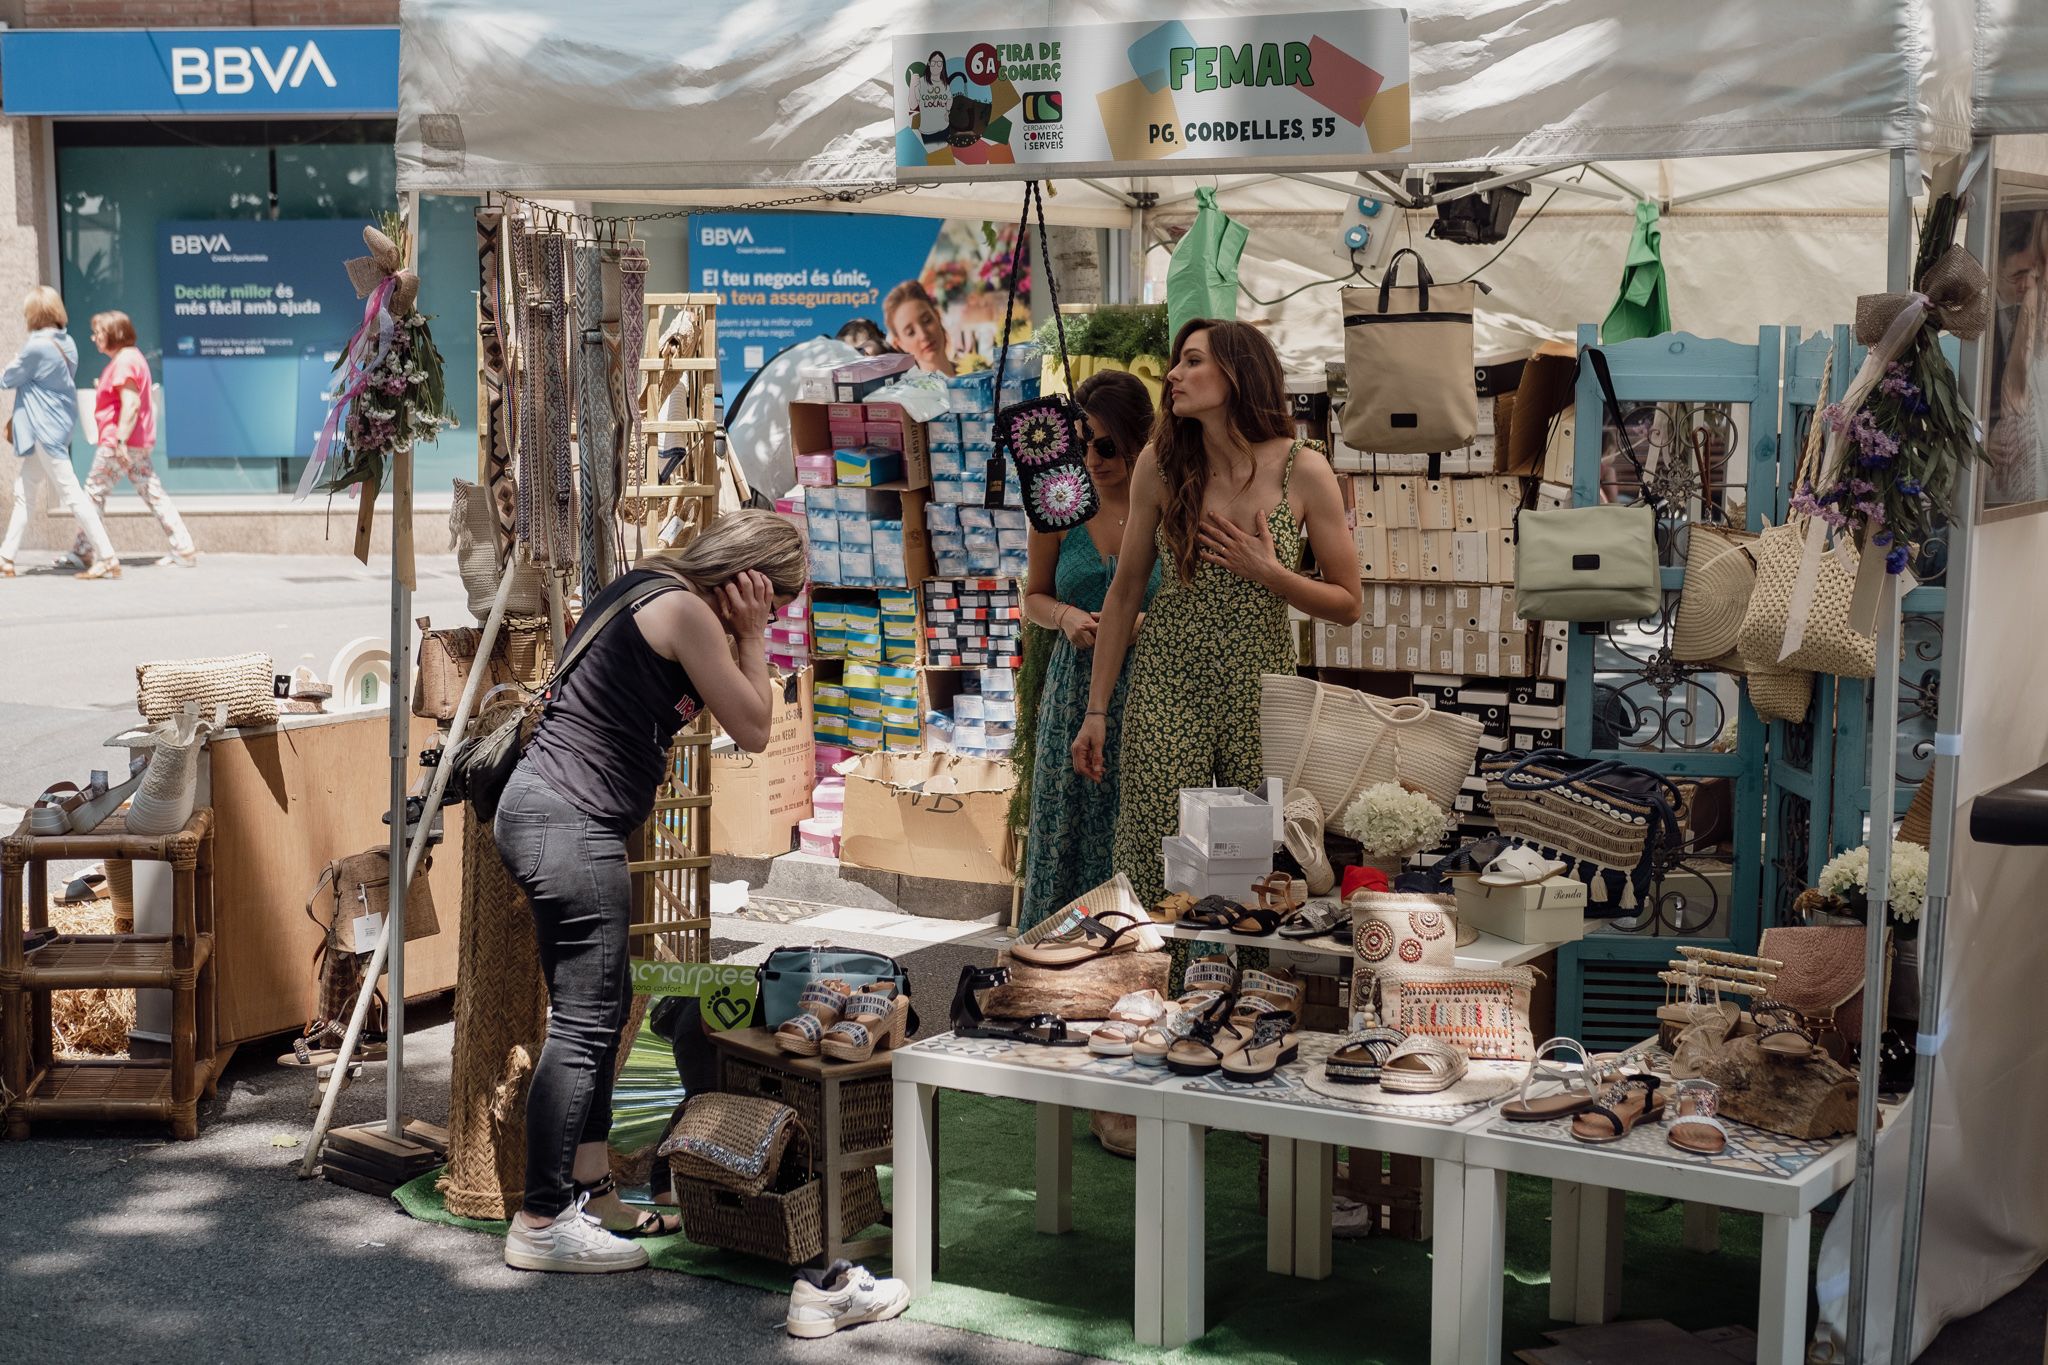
575, 1242
851, 1297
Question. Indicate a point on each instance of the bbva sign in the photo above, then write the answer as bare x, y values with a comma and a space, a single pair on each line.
234, 70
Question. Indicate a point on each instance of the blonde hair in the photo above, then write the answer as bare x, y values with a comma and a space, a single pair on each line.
44, 307
748, 539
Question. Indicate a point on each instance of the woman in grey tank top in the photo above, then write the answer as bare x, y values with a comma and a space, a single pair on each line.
690, 640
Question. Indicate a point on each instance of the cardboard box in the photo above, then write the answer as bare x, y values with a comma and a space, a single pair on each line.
1434, 510
1472, 503
1552, 911
1372, 553
811, 433
1471, 560
930, 815
1229, 822
757, 800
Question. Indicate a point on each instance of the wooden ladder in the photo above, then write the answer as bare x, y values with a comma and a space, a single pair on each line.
672, 872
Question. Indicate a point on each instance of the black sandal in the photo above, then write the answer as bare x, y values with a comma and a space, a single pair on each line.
1047, 1030
1213, 912
649, 1224
1091, 938
1782, 1031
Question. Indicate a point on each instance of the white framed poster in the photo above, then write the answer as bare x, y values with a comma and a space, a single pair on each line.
1281, 91
2014, 477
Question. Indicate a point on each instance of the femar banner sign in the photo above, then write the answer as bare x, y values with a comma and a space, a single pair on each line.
250, 315
1290, 91
724, 990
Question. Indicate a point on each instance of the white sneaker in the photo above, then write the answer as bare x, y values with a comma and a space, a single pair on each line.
853, 1298
575, 1242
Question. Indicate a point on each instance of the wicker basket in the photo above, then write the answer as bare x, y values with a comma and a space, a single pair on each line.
784, 1226
866, 1113
733, 1142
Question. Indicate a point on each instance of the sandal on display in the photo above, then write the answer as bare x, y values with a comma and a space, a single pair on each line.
1315, 919
819, 1008
1048, 1030
1261, 992
1169, 910
1207, 1042
1781, 1031
968, 1020
1091, 937
1422, 1065
1208, 976
1213, 912
1359, 1059
1152, 1044
1273, 1044
1128, 1020
1280, 893
1695, 1127
1581, 1085
1619, 1109
304, 1055
875, 1019
51, 813
643, 1224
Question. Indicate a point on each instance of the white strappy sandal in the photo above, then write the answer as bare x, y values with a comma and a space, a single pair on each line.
1696, 1127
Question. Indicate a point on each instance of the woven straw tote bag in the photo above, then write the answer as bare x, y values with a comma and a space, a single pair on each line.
1828, 645
1316, 737
473, 529
1422, 749
1780, 693
240, 682
1720, 576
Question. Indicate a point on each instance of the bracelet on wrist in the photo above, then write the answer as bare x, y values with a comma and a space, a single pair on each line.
1092, 712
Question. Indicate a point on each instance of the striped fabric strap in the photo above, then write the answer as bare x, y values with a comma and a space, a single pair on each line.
818, 993
854, 1035
1268, 984
595, 456
1209, 972
559, 498
526, 428
870, 1003
805, 1024
632, 344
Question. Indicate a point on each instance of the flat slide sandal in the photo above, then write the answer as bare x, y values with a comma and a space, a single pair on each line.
1423, 1065
1616, 1113
1572, 1100
1212, 912
1357, 1061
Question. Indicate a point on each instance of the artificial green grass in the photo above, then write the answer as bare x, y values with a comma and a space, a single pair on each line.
998, 1276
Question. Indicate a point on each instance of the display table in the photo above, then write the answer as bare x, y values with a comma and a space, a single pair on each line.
1172, 1114
1488, 950
1780, 1178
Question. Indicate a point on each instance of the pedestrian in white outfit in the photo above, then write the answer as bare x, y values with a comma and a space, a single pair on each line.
44, 378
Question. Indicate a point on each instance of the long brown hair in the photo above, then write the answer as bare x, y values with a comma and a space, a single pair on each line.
1258, 412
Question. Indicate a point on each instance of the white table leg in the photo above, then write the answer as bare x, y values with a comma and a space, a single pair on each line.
1314, 1187
1280, 1205
1781, 1306
1185, 1271
1149, 1313
915, 1186
1702, 1227
1445, 1183
1055, 1168
1564, 1249
1600, 1237
1484, 1261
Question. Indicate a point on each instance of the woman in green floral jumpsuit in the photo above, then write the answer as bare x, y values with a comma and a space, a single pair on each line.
1228, 499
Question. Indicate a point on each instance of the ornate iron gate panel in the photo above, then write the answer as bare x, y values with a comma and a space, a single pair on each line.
1705, 416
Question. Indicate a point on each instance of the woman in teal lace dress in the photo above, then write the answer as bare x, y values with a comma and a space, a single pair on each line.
1073, 820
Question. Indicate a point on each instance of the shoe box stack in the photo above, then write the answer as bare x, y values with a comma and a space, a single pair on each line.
1514, 713
962, 441
789, 636
973, 623
874, 706
819, 835
1225, 841
982, 719
978, 541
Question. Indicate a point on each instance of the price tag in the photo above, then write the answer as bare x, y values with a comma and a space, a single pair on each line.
366, 928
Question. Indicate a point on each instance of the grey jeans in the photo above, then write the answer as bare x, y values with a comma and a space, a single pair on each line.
572, 866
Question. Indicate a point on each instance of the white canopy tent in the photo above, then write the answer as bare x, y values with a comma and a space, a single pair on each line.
1759, 125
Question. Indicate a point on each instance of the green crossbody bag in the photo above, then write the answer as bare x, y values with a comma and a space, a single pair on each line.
1590, 563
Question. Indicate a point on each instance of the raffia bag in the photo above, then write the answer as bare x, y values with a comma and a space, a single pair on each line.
1720, 576
1779, 693
445, 657
1828, 644
734, 1142
239, 682
1486, 1012
1333, 742
1822, 975
473, 529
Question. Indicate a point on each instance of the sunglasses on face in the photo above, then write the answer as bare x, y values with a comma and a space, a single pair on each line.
1103, 447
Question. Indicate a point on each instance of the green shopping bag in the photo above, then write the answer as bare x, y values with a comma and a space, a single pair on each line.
1201, 282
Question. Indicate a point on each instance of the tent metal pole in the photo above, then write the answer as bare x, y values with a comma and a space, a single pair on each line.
1611, 178
1955, 619
1104, 187
1883, 770
1138, 247
1699, 196
399, 693
1391, 187
1239, 184
1496, 181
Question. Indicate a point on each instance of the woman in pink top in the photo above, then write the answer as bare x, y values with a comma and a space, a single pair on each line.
124, 423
